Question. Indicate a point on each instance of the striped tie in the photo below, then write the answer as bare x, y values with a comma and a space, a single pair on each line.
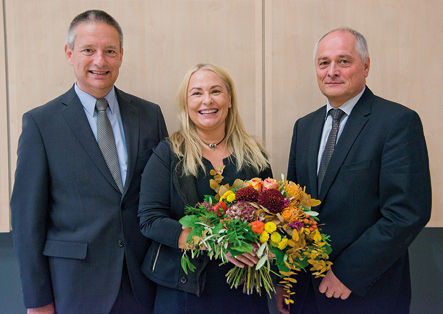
330, 145
106, 142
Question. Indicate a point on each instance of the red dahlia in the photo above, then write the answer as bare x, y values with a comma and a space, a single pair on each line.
272, 200
247, 194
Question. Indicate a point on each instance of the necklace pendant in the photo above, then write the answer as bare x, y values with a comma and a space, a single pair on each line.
212, 146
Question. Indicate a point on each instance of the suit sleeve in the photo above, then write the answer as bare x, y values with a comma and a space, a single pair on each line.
29, 210
405, 207
162, 130
155, 199
291, 175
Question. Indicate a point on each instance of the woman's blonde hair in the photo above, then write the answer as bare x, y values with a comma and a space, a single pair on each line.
187, 144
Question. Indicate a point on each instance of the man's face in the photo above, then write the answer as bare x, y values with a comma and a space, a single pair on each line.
96, 57
341, 74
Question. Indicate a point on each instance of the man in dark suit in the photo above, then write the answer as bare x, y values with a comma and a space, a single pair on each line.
368, 165
74, 203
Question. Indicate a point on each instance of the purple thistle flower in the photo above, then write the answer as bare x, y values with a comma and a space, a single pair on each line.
295, 225
287, 201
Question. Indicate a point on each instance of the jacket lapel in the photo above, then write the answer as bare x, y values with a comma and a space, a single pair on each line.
75, 117
186, 186
130, 120
356, 121
314, 139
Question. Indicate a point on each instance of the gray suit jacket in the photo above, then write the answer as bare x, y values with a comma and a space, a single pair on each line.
72, 226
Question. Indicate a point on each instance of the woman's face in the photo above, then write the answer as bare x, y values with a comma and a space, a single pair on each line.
208, 101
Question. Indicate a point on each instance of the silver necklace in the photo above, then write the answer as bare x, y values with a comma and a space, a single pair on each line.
213, 146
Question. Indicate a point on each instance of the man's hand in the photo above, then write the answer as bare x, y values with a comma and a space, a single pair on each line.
332, 287
245, 259
47, 309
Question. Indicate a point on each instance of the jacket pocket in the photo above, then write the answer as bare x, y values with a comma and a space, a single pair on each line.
65, 249
156, 257
357, 166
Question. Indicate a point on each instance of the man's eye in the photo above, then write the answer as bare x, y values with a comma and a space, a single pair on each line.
87, 51
323, 64
343, 61
111, 52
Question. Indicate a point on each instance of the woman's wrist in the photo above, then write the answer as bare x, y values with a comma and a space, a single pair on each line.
183, 237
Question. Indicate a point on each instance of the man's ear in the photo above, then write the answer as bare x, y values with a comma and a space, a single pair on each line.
366, 66
68, 53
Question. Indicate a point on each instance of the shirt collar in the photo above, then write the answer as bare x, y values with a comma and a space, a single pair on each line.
348, 105
88, 101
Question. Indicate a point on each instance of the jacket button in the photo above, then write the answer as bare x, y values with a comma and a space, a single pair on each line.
121, 243
183, 280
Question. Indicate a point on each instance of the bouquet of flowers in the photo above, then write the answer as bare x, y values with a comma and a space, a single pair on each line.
272, 219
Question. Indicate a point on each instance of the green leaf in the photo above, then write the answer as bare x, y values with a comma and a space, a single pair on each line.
217, 228
210, 199
303, 263
261, 249
261, 262
189, 221
197, 231
237, 250
279, 257
311, 213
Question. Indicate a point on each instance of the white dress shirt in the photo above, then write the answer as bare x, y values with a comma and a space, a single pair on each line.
113, 112
347, 109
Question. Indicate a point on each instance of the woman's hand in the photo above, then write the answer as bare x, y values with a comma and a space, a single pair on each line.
245, 259
183, 237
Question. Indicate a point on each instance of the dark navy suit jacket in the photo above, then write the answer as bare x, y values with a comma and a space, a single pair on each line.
376, 197
72, 226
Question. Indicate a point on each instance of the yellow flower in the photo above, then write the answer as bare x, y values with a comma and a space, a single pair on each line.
295, 235
317, 236
231, 198
264, 237
226, 195
275, 237
283, 243
270, 227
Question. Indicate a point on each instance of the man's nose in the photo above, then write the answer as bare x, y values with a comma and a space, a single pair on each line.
99, 57
332, 69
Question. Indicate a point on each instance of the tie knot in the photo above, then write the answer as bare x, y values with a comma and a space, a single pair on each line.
336, 114
101, 104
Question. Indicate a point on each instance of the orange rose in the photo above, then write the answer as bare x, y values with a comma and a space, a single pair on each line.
256, 183
269, 183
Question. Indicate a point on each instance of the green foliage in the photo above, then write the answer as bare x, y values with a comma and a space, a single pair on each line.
243, 248
279, 259
189, 221
210, 199
186, 264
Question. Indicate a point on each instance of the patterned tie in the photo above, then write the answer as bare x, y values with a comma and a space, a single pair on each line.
330, 145
106, 142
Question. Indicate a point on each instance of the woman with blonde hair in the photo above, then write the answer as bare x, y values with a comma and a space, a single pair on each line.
211, 136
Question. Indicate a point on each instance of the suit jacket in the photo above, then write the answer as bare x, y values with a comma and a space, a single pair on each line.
376, 197
72, 227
